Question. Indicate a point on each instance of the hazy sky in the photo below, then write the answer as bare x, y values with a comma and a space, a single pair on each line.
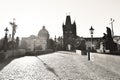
31, 15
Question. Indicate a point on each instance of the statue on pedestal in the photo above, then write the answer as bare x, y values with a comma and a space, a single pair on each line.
108, 42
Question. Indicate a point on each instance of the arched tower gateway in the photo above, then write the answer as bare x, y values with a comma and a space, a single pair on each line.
69, 34
42, 40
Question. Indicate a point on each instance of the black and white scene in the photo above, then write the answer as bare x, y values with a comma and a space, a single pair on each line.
59, 39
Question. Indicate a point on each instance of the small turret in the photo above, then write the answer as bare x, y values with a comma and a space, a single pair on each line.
74, 23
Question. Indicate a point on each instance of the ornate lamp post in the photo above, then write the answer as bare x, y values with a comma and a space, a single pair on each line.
91, 32
5, 40
6, 31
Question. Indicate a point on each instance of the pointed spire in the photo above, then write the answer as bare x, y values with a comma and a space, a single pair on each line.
68, 20
74, 23
63, 24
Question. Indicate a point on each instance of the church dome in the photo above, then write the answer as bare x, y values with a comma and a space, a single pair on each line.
43, 33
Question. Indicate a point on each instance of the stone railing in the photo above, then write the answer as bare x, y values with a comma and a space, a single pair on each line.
111, 62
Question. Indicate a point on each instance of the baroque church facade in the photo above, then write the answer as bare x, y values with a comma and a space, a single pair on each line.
69, 34
39, 42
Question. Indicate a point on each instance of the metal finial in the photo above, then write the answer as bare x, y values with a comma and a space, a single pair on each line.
6, 29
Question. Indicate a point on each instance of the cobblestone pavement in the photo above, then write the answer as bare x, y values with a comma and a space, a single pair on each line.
56, 66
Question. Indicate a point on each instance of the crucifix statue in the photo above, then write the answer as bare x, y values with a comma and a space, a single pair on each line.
13, 28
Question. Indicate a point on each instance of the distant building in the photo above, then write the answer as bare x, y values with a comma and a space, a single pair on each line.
69, 34
39, 42
96, 42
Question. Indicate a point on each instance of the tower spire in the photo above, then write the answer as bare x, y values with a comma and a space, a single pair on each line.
74, 23
68, 20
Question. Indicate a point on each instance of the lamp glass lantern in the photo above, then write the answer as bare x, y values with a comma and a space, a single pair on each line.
91, 30
6, 30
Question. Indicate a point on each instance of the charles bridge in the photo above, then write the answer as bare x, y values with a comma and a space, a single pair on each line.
61, 65
52, 64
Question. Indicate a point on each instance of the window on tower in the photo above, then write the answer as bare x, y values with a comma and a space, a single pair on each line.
66, 32
70, 31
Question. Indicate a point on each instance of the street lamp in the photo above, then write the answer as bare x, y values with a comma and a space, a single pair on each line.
5, 40
91, 32
6, 31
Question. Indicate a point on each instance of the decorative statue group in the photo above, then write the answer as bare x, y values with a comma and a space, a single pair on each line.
108, 42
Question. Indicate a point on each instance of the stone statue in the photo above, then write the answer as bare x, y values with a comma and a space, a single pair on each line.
108, 42
109, 34
105, 36
108, 31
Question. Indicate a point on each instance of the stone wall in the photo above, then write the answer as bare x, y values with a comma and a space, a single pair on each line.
112, 62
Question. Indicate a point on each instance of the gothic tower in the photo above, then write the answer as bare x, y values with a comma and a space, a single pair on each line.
69, 34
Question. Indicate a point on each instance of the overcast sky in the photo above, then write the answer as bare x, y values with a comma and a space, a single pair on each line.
31, 15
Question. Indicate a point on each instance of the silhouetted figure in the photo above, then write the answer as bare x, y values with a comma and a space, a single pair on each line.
108, 31
108, 42
88, 52
105, 36
109, 35
104, 41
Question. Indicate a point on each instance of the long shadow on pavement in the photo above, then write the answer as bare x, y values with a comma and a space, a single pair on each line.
36, 53
49, 68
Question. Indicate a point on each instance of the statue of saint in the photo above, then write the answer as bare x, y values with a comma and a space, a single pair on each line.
105, 36
108, 31
108, 42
